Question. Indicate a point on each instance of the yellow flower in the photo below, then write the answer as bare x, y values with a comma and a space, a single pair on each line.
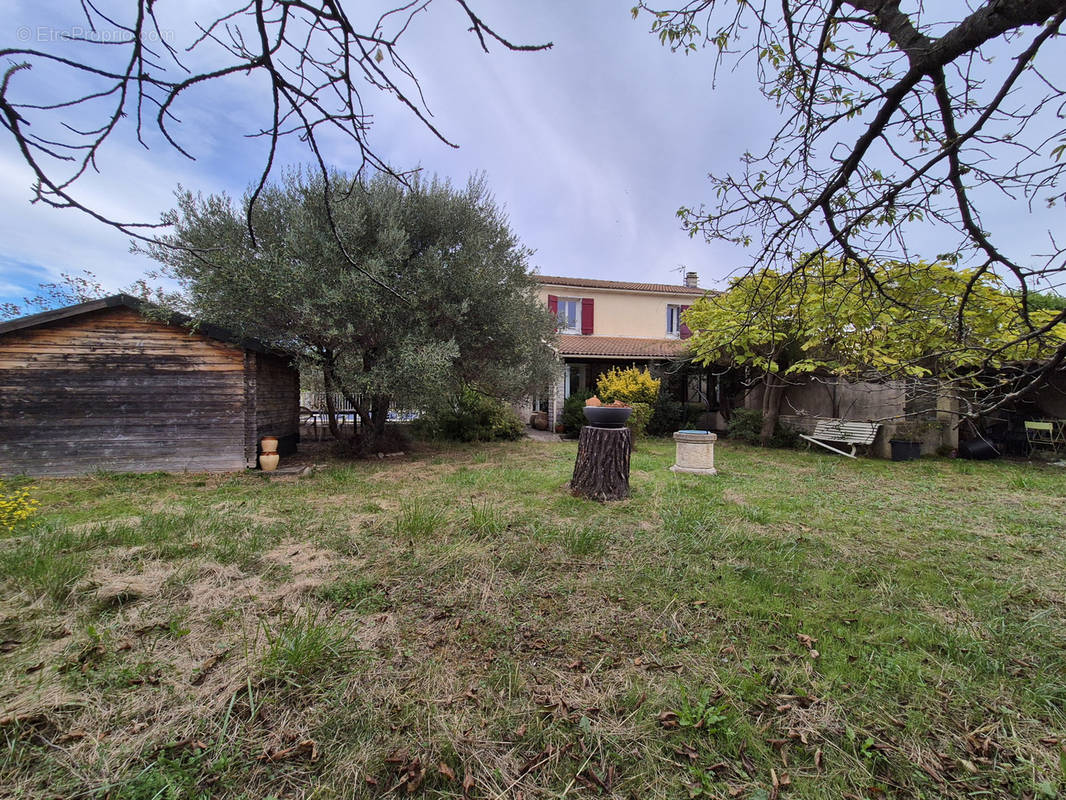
16, 507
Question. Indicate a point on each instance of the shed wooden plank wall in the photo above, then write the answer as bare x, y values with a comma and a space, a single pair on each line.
111, 390
277, 404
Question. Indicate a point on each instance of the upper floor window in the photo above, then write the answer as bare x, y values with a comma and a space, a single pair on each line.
569, 315
673, 320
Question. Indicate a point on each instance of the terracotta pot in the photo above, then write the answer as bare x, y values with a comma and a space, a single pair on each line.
268, 462
269, 444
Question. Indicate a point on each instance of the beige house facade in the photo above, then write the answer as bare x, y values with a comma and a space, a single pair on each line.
604, 324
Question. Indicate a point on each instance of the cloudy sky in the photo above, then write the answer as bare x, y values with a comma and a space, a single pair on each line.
591, 146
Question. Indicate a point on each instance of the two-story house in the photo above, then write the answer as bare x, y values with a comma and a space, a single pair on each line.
604, 324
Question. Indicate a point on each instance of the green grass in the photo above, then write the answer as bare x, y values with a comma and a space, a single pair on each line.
303, 646
867, 629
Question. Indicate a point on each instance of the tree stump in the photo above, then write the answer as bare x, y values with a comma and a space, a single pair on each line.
601, 471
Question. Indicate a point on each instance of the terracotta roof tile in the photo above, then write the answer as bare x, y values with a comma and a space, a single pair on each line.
590, 283
618, 346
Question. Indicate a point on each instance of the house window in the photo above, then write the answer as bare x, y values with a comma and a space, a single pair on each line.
569, 315
673, 321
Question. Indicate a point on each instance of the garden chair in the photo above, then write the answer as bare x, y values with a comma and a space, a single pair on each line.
1045, 434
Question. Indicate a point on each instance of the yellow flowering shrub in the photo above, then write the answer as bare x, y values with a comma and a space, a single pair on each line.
629, 385
15, 507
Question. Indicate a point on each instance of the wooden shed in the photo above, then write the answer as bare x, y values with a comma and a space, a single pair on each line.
100, 386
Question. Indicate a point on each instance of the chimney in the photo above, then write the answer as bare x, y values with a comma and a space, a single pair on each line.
691, 280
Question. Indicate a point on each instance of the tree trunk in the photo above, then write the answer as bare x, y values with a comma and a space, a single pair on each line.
329, 384
373, 418
601, 471
773, 392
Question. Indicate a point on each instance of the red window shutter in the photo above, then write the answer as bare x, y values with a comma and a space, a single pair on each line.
685, 332
586, 316
553, 304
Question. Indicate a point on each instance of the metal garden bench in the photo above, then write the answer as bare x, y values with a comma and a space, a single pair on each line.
842, 431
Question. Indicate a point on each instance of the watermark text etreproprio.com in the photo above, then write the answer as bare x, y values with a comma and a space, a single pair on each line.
47, 33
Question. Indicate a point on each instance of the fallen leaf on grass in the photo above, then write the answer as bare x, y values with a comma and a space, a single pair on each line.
209, 664
685, 751
468, 784
188, 743
669, 719
589, 779
414, 779
446, 771
305, 748
749, 767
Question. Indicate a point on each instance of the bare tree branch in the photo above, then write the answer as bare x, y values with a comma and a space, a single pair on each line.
896, 119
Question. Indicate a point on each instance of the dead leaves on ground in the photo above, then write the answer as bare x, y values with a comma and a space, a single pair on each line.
303, 749
409, 774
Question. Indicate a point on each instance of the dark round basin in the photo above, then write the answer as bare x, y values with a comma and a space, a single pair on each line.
607, 416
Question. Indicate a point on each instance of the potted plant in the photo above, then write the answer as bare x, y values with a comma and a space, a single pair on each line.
907, 437
612, 415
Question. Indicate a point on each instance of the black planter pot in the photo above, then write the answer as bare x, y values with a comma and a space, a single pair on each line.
905, 451
607, 416
977, 449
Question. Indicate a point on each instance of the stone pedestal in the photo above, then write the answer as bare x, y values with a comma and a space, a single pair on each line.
695, 452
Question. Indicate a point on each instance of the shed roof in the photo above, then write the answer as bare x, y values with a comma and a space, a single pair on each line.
618, 347
135, 303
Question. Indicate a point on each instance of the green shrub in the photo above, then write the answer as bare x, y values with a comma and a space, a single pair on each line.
667, 416
745, 424
574, 412
785, 437
638, 420
472, 417
630, 385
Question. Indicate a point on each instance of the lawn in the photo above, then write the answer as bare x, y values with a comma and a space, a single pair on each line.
453, 623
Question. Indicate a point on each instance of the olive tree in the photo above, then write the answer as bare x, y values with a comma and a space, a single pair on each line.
443, 295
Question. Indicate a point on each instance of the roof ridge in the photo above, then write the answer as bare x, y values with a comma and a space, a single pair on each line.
599, 283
